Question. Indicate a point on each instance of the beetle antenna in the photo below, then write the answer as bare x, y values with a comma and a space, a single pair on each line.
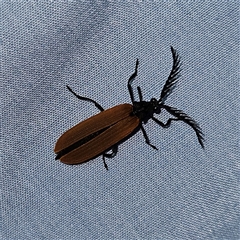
172, 78
185, 118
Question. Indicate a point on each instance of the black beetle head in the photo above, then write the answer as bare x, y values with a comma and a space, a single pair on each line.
155, 105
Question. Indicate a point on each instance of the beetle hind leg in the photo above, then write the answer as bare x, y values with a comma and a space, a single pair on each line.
109, 155
86, 99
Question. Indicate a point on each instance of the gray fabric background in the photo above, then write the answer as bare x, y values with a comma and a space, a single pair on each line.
178, 192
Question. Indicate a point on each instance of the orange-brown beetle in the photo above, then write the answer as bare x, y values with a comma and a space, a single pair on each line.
106, 130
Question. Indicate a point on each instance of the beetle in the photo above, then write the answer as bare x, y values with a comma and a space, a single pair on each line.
104, 131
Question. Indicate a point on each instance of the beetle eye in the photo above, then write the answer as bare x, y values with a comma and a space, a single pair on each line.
153, 100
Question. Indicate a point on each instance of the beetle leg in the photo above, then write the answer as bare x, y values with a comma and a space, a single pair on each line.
182, 117
110, 155
131, 80
86, 99
140, 94
165, 125
146, 137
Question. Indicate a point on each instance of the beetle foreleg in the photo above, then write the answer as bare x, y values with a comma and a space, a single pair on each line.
140, 94
146, 138
165, 125
110, 155
181, 116
86, 99
131, 80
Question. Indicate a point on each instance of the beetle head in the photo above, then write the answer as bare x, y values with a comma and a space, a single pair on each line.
145, 110
156, 108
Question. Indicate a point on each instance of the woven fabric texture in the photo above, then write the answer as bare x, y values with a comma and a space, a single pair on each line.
178, 192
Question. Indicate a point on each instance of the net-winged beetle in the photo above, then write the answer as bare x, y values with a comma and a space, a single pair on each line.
107, 129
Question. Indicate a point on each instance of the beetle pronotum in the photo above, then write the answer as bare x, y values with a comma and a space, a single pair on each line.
105, 131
